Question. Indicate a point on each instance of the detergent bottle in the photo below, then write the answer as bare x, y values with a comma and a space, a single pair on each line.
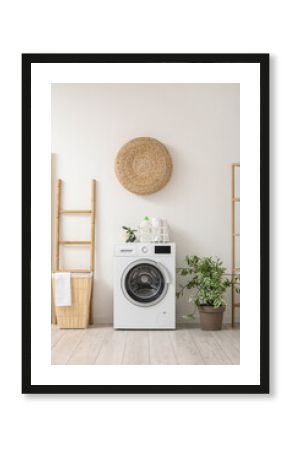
145, 230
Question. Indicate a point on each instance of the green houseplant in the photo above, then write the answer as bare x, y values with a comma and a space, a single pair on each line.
207, 282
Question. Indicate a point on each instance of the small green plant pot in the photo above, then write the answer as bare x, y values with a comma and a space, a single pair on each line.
211, 319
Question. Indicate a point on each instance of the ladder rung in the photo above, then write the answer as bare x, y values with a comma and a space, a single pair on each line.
75, 270
237, 269
236, 305
236, 234
236, 164
236, 199
75, 242
76, 211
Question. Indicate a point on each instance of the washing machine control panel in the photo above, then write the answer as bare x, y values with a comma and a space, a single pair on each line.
162, 249
156, 249
144, 249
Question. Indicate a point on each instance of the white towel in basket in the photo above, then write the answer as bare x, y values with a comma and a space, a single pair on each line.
63, 289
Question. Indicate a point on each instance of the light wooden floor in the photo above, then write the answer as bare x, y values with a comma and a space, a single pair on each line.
104, 345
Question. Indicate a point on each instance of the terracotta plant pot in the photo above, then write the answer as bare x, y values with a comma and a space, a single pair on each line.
211, 318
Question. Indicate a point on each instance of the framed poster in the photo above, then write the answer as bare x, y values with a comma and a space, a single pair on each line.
145, 181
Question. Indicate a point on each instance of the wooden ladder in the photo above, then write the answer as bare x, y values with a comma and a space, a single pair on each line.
234, 236
91, 242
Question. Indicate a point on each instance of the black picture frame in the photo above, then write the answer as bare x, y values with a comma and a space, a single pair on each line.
263, 61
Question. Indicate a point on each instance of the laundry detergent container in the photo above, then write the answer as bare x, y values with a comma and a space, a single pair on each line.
78, 313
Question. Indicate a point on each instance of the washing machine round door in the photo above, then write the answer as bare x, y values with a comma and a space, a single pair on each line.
145, 283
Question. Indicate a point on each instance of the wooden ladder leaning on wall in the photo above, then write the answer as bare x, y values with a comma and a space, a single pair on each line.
91, 242
234, 236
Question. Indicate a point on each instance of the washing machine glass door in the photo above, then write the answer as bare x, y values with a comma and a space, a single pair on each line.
144, 284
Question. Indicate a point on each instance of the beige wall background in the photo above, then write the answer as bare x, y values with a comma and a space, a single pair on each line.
200, 126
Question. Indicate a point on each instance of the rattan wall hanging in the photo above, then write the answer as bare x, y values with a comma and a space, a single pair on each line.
143, 165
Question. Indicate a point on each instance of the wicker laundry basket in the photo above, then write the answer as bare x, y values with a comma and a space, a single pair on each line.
77, 315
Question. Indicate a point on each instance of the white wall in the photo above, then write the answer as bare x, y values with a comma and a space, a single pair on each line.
198, 123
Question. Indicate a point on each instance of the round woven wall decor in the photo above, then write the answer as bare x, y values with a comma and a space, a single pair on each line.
143, 165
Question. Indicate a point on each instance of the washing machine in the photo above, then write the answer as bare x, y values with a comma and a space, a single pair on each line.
145, 286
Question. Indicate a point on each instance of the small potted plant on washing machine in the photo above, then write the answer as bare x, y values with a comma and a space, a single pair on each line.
129, 233
207, 282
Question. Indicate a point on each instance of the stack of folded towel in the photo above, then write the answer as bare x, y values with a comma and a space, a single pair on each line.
63, 289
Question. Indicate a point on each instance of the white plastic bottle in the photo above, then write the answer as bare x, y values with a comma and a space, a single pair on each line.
145, 230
